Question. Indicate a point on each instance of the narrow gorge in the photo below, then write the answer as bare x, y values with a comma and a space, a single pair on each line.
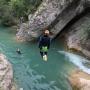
68, 65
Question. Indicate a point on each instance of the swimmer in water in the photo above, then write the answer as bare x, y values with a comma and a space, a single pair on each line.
18, 51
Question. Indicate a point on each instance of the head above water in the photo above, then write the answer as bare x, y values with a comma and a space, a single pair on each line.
18, 49
46, 32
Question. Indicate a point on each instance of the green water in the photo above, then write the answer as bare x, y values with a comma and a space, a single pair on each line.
30, 71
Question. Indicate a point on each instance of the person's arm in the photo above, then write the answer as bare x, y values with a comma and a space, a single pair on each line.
49, 42
40, 44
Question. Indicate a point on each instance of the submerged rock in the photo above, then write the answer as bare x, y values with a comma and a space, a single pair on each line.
54, 14
6, 74
80, 80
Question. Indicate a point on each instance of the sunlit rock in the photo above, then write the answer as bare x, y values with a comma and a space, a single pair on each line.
80, 80
6, 74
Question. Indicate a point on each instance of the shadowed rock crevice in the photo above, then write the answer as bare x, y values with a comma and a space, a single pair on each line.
78, 34
65, 30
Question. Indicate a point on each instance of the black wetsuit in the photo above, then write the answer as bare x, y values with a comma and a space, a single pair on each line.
19, 52
44, 41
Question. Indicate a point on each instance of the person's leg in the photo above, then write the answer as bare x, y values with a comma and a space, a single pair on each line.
41, 54
45, 56
45, 53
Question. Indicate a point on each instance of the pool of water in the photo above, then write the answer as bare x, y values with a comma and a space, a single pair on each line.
30, 71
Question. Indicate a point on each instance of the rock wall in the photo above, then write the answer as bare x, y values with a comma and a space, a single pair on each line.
87, 3
54, 14
78, 35
6, 74
80, 80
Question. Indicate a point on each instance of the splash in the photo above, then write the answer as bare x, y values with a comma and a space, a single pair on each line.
77, 60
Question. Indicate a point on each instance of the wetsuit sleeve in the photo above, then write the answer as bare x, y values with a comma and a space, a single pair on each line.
40, 44
49, 42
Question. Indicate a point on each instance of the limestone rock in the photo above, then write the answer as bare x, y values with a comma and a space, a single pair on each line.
54, 14
6, 74
78, 36
80, 80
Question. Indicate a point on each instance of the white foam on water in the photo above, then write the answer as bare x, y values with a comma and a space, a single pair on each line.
77, 60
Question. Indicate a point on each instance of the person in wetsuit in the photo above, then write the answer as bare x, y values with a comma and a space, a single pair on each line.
18, 51
44, 44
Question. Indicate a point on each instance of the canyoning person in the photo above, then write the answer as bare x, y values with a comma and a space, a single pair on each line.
18, 51
44, 44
